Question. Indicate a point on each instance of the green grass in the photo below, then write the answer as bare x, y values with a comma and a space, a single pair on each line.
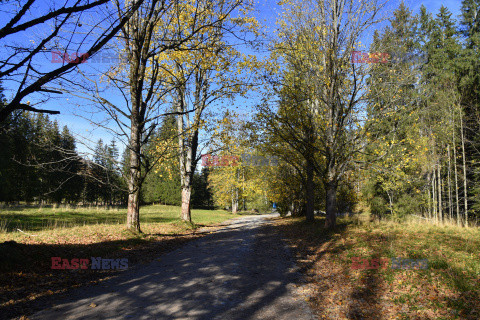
63, 223
34, 219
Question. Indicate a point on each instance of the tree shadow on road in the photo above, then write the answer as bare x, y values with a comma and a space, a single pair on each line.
235, 273
28, 283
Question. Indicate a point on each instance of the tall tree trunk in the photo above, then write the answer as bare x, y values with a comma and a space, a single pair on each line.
234, 201
331, 204
439, 179
390, 202
133, 211
184, 162
243, 187
186, 210
134, 181
430, 207
188, 137
187, 149
455, 170
310, 193
450, 208
457, 199
434, 195
186, 196
465, 189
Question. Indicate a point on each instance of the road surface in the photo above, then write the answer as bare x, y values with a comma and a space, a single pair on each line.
242, 271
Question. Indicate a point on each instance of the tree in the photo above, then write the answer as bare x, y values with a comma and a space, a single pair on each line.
395, 144
317, 40
162, 184
156, 28
209, 69
17, 180
72, 188
38, 162
225, 164
289, 134
20, 68
442, 114
237, 173
415, 137
105, 177
202, 197
469, 96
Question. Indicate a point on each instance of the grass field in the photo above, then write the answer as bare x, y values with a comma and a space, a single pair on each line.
26, 276
51, 224
448, 289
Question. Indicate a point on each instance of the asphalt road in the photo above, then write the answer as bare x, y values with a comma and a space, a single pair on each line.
243, 271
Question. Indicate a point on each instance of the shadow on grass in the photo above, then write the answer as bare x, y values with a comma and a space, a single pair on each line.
463, 284
314, 243
364, 300
466, 284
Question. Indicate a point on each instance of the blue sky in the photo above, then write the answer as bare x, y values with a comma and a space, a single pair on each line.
267, 11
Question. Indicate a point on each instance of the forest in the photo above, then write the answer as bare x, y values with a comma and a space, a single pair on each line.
390, 127
272, 159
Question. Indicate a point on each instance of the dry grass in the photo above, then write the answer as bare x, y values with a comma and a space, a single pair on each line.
26, 277
448, 289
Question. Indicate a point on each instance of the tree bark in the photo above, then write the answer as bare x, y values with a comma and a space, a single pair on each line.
188, 135
456, 175
187, 150
235, 201
186, 176
390, 202
133, 211
465, 189
439, 180
434, 195
243, 187
430, 209
450, 208
331, 204
186, 210
310, 193
134, 181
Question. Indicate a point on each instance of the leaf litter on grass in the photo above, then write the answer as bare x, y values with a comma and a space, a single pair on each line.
343, 293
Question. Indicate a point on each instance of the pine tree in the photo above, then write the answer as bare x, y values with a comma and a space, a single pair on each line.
72, 187
442, 115
394, 138
469, 88
162, 184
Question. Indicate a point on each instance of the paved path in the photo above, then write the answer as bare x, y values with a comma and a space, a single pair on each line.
243, 271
